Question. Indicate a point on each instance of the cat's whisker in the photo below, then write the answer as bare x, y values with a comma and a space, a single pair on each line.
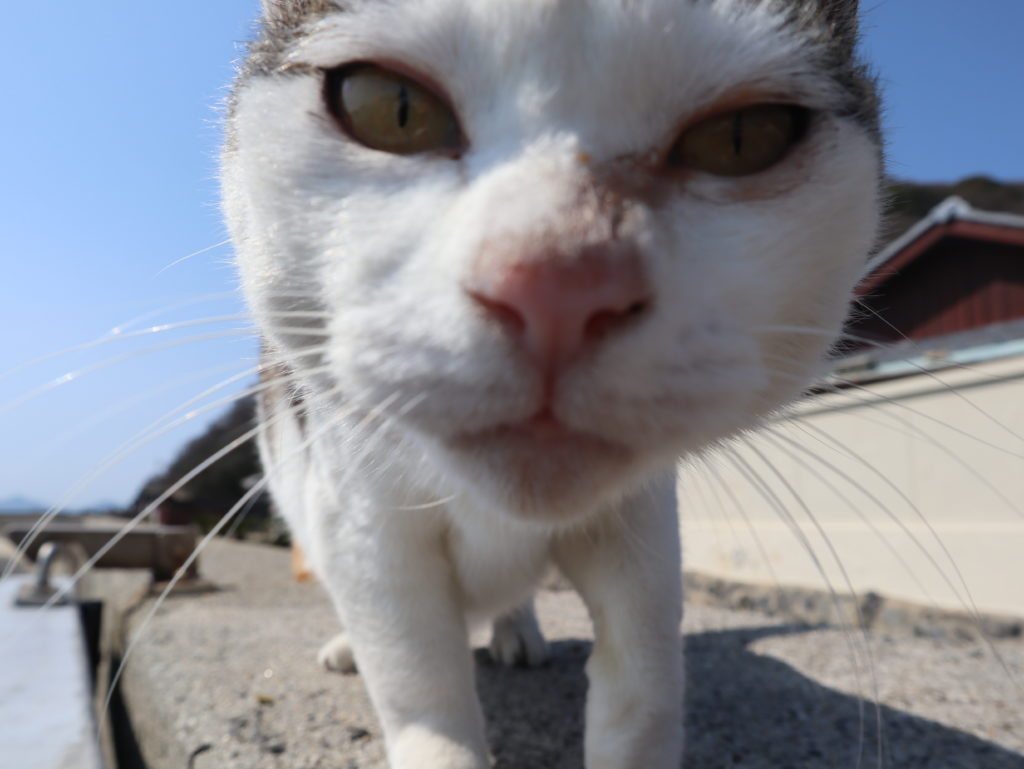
843, 387
911, 429
776, 439
298, 330
240, 517
250, 495
200, 252
378, 412
956, 393
124, 405
809, 384
118, 334
841, 334
850, 391
686, 477
167, 494
717, 512
966, 600
786, 329
764, 490
77, 374
363, 451
905, 428
151, 432
768, 494
125, 326
430, 505
781, 478
634, 540
920, 349
72, 376
707, 463
829, 334
109, 461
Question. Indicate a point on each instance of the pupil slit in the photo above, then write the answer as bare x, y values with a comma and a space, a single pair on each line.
403, 106
737, 133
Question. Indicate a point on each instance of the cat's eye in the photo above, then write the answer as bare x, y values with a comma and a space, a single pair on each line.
389, 112
742, 142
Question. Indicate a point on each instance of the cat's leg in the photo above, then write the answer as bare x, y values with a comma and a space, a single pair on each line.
516, 639
336, 655
395, 592
627, 569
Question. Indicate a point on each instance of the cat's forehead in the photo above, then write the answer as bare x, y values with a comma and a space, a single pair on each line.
840, 15
516, 30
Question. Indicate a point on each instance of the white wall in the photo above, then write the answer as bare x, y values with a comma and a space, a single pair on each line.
950, 442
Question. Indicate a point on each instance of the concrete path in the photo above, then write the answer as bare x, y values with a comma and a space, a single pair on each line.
45, 721
228, 680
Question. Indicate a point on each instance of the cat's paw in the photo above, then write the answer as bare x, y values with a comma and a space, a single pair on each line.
336, 655
516, 641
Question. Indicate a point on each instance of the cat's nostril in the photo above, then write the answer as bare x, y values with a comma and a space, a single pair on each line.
506, 315
554, 308
603, 322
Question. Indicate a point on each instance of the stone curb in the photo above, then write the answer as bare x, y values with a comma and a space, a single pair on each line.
869, 611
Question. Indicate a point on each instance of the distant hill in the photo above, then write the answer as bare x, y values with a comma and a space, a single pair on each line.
909, 202
210, 495
20, 505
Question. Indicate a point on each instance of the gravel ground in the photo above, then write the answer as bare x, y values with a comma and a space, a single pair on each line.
227, 679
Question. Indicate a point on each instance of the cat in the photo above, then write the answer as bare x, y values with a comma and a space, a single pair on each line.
510, 261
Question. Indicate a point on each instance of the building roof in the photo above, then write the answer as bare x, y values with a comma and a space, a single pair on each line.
953, 217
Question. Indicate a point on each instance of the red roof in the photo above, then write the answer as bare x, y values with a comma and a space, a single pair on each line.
953, 217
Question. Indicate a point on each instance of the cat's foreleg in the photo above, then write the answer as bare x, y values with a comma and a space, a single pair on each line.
516, 641
627, 569
396, 595
516, 638
336, 655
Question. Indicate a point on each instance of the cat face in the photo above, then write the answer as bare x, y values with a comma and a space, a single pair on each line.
565, 280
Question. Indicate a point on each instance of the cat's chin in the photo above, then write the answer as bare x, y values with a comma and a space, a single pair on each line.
543, 472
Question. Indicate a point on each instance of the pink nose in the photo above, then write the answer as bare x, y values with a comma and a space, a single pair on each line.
557, 307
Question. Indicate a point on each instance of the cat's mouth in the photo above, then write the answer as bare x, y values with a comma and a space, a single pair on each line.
544, 425
542, 468
542, 430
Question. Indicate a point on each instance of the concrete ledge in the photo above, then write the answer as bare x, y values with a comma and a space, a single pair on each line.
161, 549
228, 679
870, 610
45, 718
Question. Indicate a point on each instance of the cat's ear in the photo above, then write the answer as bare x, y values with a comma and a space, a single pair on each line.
288, 10
842, 16
840, 19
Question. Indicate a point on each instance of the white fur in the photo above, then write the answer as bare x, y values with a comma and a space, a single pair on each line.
414, 520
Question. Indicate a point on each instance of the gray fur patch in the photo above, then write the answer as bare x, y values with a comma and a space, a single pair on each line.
282, 25
833, 27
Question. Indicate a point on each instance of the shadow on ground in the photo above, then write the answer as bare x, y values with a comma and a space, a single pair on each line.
744, 711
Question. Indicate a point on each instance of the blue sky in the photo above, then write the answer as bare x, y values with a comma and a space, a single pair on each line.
108, 154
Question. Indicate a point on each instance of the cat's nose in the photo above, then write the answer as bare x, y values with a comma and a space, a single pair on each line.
558, 307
